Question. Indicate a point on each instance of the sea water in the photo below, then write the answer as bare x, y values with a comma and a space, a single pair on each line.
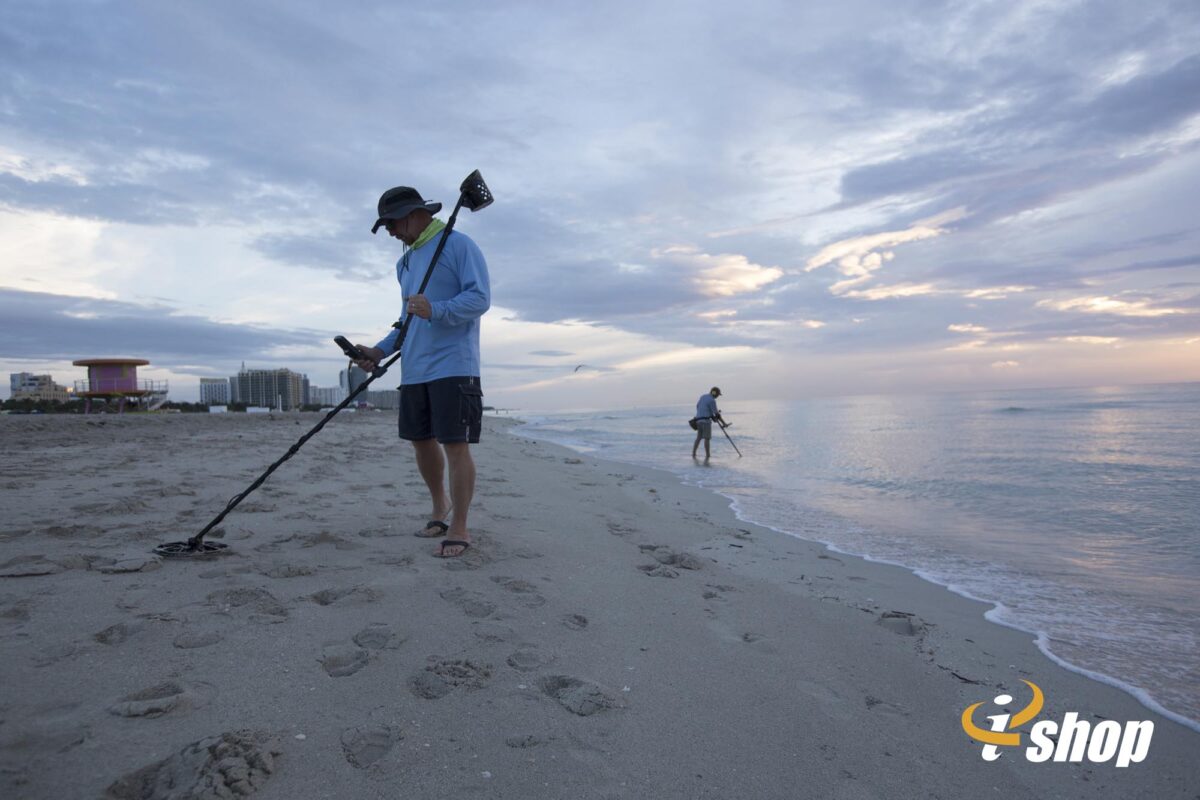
1076, 512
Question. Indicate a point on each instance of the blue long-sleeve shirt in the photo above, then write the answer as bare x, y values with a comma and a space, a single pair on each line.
706, 407
459, 293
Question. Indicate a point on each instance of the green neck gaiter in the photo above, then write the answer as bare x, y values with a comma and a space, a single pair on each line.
431, 230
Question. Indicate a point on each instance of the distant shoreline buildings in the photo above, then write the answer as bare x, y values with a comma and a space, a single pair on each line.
252, 388
27, 386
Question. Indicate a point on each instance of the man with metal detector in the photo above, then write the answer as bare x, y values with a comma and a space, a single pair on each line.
706, 412
441, 400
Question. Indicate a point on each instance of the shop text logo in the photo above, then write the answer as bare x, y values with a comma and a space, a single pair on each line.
1076, 739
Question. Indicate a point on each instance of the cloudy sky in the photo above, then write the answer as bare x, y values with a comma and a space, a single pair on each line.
783, 198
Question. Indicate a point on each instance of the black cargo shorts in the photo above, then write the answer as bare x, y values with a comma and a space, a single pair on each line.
447, 409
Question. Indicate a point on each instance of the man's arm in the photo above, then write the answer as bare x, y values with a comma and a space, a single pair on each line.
476, 295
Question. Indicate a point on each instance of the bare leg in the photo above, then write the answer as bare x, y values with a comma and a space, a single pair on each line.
695, 445
462, 490
433, 467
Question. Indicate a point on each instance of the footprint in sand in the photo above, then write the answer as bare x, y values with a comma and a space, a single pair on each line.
524, 589
884, 707
379, 636
527, 659
116, 634
493, 632
347, 596
901, 622
442, 677
261, 604
617, 529
281, 571
658, 571
132, 562
579, 696
193, 640
342, 660
326, 538
470, 603
233, 764
670, 558
161, 699
382, 532
14, 608
393, 561
366, 744
225, 572
54, 653
273, 546
28, 567
575, 622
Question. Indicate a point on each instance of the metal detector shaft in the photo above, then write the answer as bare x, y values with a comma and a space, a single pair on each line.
730, 438
196, 541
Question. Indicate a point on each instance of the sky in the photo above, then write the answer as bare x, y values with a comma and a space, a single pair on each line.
784, 199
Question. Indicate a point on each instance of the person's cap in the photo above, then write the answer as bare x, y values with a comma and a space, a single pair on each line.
398, 203
715, 391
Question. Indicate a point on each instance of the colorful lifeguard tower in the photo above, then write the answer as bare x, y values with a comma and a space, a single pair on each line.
116, 379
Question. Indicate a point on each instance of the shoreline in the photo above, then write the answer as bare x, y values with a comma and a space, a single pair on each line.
992, 615
612, 633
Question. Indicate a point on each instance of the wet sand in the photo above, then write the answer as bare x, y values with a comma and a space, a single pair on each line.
610, 634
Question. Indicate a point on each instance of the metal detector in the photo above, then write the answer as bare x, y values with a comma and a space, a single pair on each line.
730, 438
474, 195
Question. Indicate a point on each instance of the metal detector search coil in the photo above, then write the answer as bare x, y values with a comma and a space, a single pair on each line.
475, 193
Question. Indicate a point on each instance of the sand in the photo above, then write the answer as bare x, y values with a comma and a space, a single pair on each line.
611, 634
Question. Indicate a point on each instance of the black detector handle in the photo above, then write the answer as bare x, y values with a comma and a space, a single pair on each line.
352, 351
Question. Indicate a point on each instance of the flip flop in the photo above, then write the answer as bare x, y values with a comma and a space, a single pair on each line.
433, 529
441, 553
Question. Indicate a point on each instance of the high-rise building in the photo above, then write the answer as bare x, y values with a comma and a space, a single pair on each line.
27, 386
270, 388
326, 395
381, 398
351, 379
214, 391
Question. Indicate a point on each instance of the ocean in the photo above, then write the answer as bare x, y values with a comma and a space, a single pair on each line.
1076, 512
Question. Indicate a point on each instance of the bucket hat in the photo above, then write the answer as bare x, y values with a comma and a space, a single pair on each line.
401, 201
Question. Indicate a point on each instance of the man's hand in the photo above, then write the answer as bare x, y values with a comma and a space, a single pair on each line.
373, 356
419, 304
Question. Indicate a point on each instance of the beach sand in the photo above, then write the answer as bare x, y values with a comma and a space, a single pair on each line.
611, 634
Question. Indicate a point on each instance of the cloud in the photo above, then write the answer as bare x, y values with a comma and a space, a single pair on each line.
53, 327
967, 162
860, 256
1099, 340
723, 275
995, 292
892, 292
1111, 305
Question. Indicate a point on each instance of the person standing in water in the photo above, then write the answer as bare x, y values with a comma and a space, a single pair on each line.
706, 412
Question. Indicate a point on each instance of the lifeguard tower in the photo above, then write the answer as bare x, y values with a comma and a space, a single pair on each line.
116, 379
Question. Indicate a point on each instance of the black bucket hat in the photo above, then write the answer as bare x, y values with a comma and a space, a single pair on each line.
398, 203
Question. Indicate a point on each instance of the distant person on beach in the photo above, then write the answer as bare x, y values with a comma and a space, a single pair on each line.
706, 412
441, 400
